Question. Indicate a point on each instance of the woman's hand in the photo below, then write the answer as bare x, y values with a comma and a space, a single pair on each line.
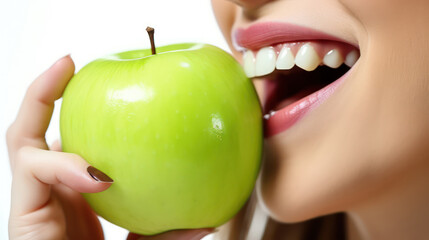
46, 184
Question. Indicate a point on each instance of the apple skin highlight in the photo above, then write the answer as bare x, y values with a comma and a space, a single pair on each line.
179, 132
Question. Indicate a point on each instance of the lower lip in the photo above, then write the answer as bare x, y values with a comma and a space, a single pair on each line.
286, 117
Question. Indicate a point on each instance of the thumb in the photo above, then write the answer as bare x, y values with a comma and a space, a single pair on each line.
36, 170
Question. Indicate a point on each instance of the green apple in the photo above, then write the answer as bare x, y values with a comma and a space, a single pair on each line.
180, 132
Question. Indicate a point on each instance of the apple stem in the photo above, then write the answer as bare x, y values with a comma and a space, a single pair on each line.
151, 32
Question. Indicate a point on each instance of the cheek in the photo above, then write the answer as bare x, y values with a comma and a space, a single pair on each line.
384, 13
374, 13
364, 9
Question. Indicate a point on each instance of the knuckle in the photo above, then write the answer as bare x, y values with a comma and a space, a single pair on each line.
31, 88
11, 135
21, 155
34, 92
22, 158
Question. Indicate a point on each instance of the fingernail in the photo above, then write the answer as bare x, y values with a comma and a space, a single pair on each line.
98, 175
65, 56
59, 60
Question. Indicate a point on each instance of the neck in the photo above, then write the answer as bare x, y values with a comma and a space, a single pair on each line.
400, 211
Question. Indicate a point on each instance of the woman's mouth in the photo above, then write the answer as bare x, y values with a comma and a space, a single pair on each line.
301, 68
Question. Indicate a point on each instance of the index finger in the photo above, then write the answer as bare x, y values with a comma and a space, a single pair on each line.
35, 113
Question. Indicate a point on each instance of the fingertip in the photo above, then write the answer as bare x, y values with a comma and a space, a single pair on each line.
70, 62
65, 65
99, 181
79, 175
98, 175
50, 86
101, 186
59, 75
67, 59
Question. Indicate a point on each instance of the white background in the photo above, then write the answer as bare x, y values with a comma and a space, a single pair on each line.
34, 34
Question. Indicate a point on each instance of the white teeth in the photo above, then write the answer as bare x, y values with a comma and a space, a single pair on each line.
249, 64
285, 59
351, 58
269, 115
265, 61
307, 58
333, 59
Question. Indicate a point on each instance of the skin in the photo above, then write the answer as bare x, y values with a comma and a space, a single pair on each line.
370, 158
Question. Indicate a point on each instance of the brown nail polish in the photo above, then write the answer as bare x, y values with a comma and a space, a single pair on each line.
98, 175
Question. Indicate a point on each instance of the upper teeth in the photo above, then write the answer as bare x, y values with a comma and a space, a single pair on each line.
351, 58
333, 59
286, 60
307, 58
265, 61
268, 59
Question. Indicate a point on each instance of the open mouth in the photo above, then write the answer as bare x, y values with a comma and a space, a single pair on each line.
298, 76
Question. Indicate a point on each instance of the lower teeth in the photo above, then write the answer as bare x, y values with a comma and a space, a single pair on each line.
268, 115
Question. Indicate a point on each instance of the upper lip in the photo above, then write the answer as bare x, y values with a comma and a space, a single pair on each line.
265, 34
